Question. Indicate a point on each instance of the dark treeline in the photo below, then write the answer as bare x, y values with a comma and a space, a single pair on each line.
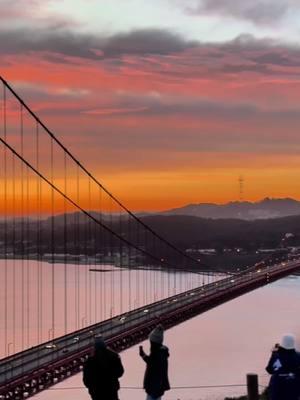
197, 232
76, 234
72, 233
81, 235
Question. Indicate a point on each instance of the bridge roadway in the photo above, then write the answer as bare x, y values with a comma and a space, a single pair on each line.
26, 373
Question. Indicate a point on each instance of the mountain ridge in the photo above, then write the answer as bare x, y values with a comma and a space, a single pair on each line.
266, 208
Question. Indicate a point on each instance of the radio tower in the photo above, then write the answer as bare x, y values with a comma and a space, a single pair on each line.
241, 187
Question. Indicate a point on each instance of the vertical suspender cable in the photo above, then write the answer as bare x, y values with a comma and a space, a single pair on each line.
137, 262
96, 278
155, 273
155, 269
151, 270
42, 246
145, 275
74, 251
22, 229
86, 273
87, 266
169, 278
52, 246
101, 243
27, 259
111, 251
5, 227
38, 235
99, 249
14, 249
129, 263
65, 250
77, 253
76, 239
121, 265
84, 228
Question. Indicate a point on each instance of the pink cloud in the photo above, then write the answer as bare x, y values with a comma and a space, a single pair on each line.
112, 111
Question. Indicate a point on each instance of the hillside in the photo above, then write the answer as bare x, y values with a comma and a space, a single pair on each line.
264, 209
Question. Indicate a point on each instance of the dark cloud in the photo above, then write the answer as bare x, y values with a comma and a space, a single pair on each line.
65, 42
273, 58
62, 42
244, 54
259, 55
256, 11
147, 41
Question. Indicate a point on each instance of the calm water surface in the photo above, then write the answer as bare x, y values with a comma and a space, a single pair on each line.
217, 348
40, 301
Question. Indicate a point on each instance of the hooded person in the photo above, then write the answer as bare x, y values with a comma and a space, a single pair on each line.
156, 380
284, 366
101, 372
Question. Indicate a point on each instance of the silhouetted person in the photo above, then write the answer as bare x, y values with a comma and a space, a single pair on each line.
101, 372
284, 366
156, 380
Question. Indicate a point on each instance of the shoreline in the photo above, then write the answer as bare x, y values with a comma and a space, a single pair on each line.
91, 261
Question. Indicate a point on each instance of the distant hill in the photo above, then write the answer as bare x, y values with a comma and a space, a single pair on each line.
264, 209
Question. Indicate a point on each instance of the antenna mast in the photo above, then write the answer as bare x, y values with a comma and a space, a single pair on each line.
241, 187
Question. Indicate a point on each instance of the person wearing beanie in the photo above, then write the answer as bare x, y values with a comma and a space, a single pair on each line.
157, 335
101, 372
284, 366
156, 380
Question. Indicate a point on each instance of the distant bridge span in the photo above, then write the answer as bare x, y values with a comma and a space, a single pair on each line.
26, 373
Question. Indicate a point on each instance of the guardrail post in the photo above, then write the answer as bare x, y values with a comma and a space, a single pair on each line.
252, 387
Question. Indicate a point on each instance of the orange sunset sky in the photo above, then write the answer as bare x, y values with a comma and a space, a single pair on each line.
166, 102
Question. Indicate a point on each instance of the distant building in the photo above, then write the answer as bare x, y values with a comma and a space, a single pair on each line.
206, 252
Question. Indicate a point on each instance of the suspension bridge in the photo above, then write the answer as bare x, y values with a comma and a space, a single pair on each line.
75, 262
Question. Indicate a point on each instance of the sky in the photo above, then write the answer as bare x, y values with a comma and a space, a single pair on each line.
166, 102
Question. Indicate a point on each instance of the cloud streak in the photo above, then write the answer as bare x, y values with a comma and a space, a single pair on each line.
154, 51
260, 12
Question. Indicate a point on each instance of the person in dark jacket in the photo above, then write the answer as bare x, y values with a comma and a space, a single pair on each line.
101, 372
284, 366
156, 380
